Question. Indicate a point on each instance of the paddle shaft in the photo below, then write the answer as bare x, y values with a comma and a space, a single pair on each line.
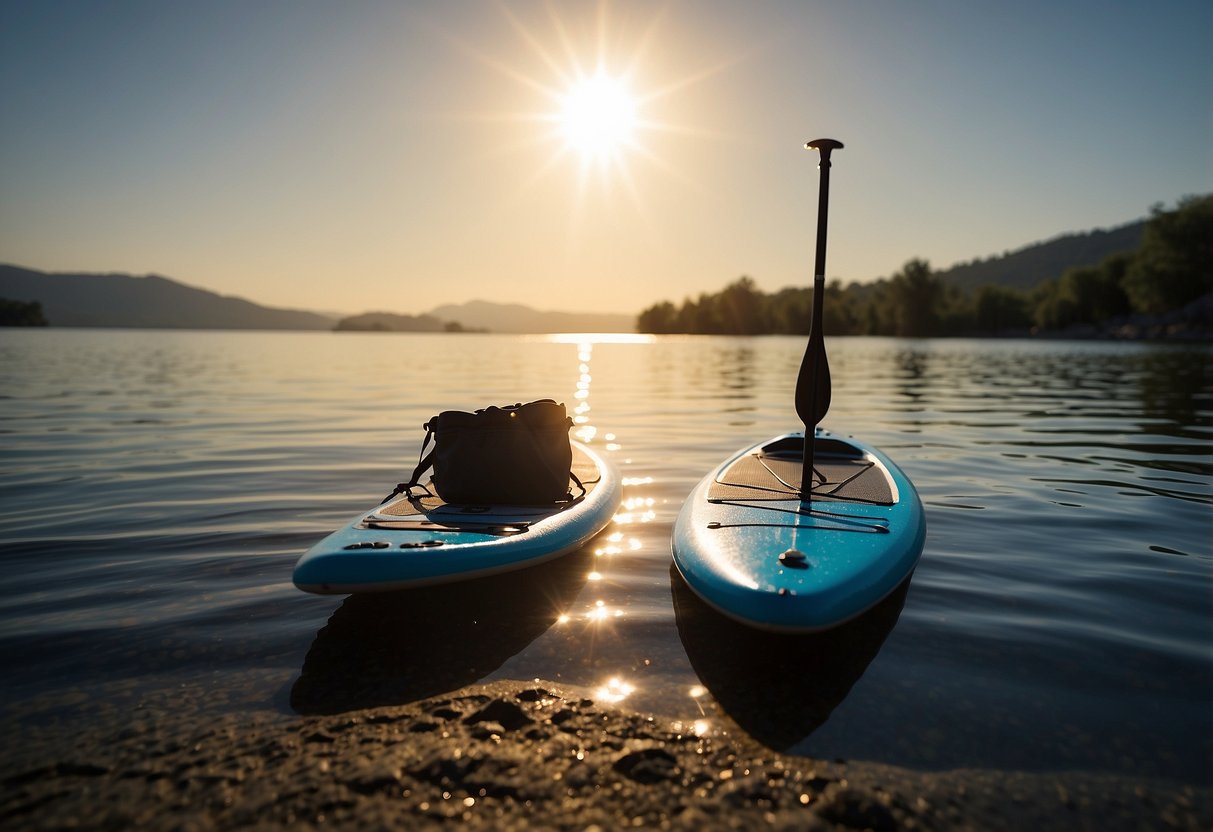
813, 385
815, 357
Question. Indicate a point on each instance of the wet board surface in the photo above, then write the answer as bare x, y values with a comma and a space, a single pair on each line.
746, 544
411, 542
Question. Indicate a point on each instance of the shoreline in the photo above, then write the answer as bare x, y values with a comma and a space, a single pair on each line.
526, 755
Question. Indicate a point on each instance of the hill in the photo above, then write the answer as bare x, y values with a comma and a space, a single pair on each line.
390, 322
1028, 267
514, 317
119, 300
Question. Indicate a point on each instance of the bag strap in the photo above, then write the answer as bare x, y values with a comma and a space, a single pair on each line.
428, 460
424, 461
573, 500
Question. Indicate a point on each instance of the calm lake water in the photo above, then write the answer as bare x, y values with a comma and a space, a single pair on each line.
157, 487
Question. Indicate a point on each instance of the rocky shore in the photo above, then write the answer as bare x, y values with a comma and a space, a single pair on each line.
512, 755
1191, 323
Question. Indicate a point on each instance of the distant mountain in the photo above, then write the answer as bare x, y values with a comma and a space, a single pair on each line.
513, 317
1028, 267
119, 300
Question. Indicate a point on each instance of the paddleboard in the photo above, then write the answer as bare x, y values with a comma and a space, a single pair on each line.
411, 541
746, 544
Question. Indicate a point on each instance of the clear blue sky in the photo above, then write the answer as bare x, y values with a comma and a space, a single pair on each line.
397, 156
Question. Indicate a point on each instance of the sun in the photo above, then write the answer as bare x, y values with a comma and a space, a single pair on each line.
597, 87
598, 116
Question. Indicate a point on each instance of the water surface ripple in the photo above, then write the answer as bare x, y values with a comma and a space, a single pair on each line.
157, 487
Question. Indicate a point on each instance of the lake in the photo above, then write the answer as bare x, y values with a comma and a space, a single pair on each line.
156, 488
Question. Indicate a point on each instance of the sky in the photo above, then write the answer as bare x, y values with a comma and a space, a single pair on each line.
586, 156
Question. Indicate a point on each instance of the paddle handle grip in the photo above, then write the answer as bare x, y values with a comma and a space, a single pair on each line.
824, 147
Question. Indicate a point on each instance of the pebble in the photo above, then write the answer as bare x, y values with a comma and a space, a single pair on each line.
519, 755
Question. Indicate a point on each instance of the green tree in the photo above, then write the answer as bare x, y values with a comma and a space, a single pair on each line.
1096, 291
955, 311
20, 313
658, 319
1050, 310
839, 317
1174, 265
790, 311
1085, 295
740, 309
700, 316
915, 294
998, 309
876, 308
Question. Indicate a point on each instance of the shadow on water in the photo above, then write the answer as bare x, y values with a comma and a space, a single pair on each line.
397, 647
779, 688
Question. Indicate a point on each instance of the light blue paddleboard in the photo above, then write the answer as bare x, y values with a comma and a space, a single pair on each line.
410, 542
746, 544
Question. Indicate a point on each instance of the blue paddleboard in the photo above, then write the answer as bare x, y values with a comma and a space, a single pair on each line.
410, 542
746, 544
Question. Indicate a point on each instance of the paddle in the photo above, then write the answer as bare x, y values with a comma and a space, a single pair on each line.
813, 382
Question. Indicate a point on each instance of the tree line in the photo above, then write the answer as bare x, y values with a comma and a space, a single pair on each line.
21, 313
1172, 267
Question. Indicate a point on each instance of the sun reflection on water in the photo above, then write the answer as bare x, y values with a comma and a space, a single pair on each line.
615, 690
586, 340
636, 510
594, 618
582, 408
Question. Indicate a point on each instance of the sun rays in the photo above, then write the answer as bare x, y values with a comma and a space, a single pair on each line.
596, 92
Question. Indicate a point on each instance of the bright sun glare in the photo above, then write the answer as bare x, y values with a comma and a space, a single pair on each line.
598, 116
597, 98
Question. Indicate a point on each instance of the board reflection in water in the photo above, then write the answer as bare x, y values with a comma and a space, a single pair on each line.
779, 688
397, 647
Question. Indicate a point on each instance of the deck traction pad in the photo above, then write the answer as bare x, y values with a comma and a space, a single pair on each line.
760, 476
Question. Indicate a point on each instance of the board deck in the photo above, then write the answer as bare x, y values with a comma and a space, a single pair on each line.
746, 544
410, 542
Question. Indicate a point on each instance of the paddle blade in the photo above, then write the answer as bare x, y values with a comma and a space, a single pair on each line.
813, 383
